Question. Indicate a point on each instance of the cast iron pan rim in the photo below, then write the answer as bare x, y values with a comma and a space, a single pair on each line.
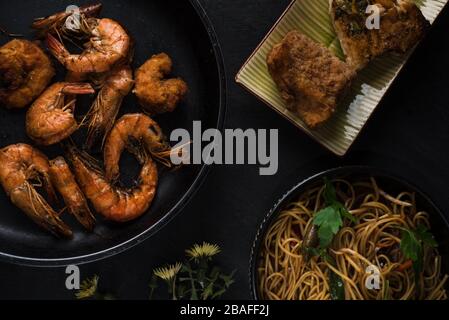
196, 185
272, 214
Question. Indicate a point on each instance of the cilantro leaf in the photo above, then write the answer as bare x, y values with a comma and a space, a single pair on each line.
329, 222
330, 219
425, 236
329, 194
412, 245
346, 214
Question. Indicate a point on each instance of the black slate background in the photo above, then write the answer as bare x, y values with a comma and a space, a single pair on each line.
408, 135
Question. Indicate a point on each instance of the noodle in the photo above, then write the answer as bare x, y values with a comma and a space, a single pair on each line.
285, 274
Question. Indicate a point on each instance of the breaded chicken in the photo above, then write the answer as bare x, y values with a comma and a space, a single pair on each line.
311, 80
402, 25
155, 93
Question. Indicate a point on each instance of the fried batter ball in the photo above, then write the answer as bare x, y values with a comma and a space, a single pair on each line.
25, 72
155, 93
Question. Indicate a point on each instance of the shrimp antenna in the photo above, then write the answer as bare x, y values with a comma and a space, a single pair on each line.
163, 157
11, 35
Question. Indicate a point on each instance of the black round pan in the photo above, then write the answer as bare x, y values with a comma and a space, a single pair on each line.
179, 28
387, 180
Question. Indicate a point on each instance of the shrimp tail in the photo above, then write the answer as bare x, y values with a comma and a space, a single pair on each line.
57, 49
72, 152
96, 124
35, 207
50, 191
66, 184
78, 88
84, 216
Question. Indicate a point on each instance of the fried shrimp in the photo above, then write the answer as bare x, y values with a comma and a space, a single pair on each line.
115, 204
22, 168
64, 181
50, 119
58, 24
25, 72
156, 94
103, 113
108, 45
137, 133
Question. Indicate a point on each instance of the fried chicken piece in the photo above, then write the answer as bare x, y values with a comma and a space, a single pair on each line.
311, 80
155, 93
402, 25
25, 72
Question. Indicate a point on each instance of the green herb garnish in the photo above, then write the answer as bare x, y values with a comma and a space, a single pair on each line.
330, 219
386, 293
412, 245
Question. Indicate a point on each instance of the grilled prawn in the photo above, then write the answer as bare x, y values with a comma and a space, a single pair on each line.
104, 110
50, 119
58, 22
22, 168
65, 183
114, 203
140, 135
109, 44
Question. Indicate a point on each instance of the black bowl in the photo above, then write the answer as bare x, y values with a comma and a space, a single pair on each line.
388, 181
179, 28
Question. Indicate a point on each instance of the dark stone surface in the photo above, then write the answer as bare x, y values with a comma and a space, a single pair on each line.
409, 135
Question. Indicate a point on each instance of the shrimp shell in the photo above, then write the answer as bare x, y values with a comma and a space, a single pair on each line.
50, 120
20, 165
109, 44
115, 204
104, 110
65, 182
138, 133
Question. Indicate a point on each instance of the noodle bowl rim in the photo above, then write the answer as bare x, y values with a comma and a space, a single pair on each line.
334, 173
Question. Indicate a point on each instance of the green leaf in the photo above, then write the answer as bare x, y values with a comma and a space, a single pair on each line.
228, 279
329, 222
410, 246
208, 291
182, 291
219, 293
153, 285
311, 252
345, 213
330, 219
214, 273
386, 295
329, 194
336, 286
426, 236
